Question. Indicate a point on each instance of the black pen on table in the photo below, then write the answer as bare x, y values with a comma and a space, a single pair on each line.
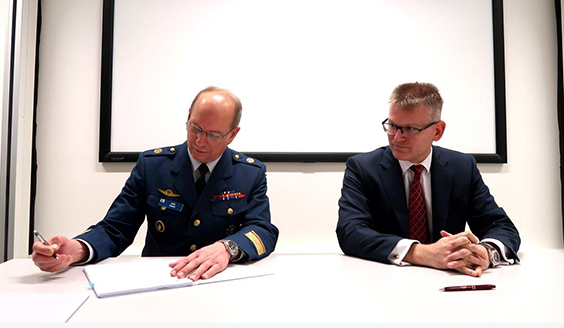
467, 287
41, 239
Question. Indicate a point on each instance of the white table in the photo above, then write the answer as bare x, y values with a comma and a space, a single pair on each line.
324, 288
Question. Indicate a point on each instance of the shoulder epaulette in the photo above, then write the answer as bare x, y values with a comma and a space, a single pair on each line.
238, 157
161, 151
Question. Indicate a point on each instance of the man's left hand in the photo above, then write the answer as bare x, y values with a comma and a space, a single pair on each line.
205, 263
471, 259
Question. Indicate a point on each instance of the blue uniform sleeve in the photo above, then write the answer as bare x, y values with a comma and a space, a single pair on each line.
112, 235
257, 236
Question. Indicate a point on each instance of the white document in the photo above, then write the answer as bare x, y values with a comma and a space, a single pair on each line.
40, 307
147, 275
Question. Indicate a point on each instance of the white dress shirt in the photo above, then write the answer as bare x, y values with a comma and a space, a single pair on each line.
399, 252
196, 164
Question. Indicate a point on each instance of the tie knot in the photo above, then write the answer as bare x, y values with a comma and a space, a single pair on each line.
203, 169
418, 169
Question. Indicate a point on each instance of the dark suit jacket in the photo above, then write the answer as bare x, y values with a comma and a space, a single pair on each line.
161, 187
373, 212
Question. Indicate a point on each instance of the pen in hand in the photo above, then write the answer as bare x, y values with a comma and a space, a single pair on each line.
41, 239
468, 287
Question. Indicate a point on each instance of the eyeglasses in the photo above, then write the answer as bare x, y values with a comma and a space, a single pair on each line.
195, 130
407, 131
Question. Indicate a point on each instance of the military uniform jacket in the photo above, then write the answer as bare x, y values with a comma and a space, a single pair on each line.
161, 188
373, 212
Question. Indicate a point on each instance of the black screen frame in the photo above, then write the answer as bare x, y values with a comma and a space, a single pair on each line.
107, 155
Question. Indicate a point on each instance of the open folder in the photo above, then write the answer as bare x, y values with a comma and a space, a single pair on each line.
114, 279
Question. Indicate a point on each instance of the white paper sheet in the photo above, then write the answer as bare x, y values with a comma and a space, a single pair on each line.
147, 275
40, 307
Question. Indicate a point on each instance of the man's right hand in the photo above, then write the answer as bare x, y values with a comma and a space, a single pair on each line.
69, 251
433, 255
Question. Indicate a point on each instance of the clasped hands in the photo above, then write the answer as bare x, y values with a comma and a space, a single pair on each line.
460, 252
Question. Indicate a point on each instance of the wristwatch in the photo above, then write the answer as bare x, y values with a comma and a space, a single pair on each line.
231, 247
493, 255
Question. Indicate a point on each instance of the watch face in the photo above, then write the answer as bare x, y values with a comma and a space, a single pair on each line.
231, 247
496, 258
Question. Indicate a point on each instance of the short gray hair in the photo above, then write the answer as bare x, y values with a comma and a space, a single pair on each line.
410, 95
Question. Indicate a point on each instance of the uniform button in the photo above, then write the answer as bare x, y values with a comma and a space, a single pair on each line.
163, 208
230, 211
196, 222
250, 160
193, 248
172, 150
160, 226
236, 156
158, 151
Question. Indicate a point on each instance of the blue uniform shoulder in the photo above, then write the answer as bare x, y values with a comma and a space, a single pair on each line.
164, 151
238, 157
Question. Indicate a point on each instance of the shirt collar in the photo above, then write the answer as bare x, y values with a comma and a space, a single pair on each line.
195, 163
405, 165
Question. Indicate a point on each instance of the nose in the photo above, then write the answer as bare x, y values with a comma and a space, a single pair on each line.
201, 138
399, 135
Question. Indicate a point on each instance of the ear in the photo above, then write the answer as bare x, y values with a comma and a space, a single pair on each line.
439, 130
233, 134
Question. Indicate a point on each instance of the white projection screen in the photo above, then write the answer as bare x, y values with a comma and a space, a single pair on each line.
314, 76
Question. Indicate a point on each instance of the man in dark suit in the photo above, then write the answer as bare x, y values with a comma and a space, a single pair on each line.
409, 202
201, 199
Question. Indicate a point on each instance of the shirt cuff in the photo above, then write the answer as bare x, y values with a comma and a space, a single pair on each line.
90, 252
400, 251
504, 250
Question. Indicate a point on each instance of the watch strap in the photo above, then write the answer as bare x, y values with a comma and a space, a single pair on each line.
232, 248
492, 252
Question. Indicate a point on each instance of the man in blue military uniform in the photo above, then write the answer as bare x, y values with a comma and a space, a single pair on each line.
200, 198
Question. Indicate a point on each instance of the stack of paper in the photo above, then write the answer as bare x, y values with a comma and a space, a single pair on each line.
148, 275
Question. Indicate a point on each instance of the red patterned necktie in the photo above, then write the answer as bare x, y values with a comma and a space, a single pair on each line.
418, 228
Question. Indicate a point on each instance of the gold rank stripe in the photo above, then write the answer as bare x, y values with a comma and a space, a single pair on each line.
252, 235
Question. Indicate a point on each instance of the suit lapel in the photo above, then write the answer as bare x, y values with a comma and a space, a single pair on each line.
217, 182
441, 186
184, 181
392, 178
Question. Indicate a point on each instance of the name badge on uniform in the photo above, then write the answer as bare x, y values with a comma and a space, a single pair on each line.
170, 204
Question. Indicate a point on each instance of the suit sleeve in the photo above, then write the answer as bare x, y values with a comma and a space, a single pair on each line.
112, 235
356, 228
487, 219
257, 236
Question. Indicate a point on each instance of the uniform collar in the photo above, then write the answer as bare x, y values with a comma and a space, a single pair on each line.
195, 163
